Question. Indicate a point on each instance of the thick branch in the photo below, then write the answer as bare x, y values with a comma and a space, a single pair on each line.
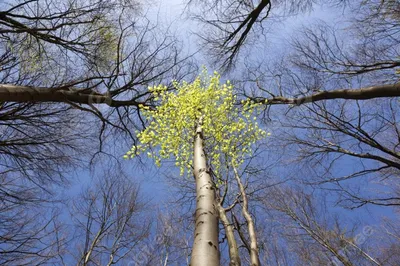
247, 25
27, 94
380, 91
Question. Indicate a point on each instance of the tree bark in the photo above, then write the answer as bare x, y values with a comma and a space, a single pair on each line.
28, 94
86, 257
205, 250
233, 248
254, 257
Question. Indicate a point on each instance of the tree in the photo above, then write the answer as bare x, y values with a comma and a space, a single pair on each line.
170, 244
318, 50
29, 233
78, 57
201, 114
344, 65
331, 133
73, 88
71, 75
231, 25
110, 222
317, 236
98, 61
334, 135
337, 85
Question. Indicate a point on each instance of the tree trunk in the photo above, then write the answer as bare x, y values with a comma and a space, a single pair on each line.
205, 250
254, 257
230, 236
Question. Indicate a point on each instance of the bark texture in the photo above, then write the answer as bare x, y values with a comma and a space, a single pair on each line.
205, 250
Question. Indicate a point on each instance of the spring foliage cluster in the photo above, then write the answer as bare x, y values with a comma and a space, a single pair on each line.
229, 129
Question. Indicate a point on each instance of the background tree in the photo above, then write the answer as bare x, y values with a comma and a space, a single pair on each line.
59, 62
31, 231
319, 50
317, 236
360, 133
110, 222
171, 242
51, 54
99, 59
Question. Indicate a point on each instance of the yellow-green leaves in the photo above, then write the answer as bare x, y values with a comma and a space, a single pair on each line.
104, 35
229, 130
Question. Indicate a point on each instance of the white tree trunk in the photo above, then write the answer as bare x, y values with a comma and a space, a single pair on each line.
205, 250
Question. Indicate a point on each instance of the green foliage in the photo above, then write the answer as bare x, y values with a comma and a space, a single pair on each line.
30, 54
229, 130
104, 37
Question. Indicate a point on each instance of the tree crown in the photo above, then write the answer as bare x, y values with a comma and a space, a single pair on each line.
229, 129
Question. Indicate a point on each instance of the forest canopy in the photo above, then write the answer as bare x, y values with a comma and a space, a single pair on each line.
289, 151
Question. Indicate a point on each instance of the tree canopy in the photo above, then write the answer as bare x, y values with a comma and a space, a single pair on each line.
229, 130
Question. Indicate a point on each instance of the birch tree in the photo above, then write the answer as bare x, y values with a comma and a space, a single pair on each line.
199, 126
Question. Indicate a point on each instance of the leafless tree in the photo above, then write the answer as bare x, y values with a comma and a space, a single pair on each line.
316, 237
110, 222
40, 142
232, 25
328, 136
29, 233
83, 54
389, 235
365, 46
236, 204
170, 242
71, 75
322, 81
